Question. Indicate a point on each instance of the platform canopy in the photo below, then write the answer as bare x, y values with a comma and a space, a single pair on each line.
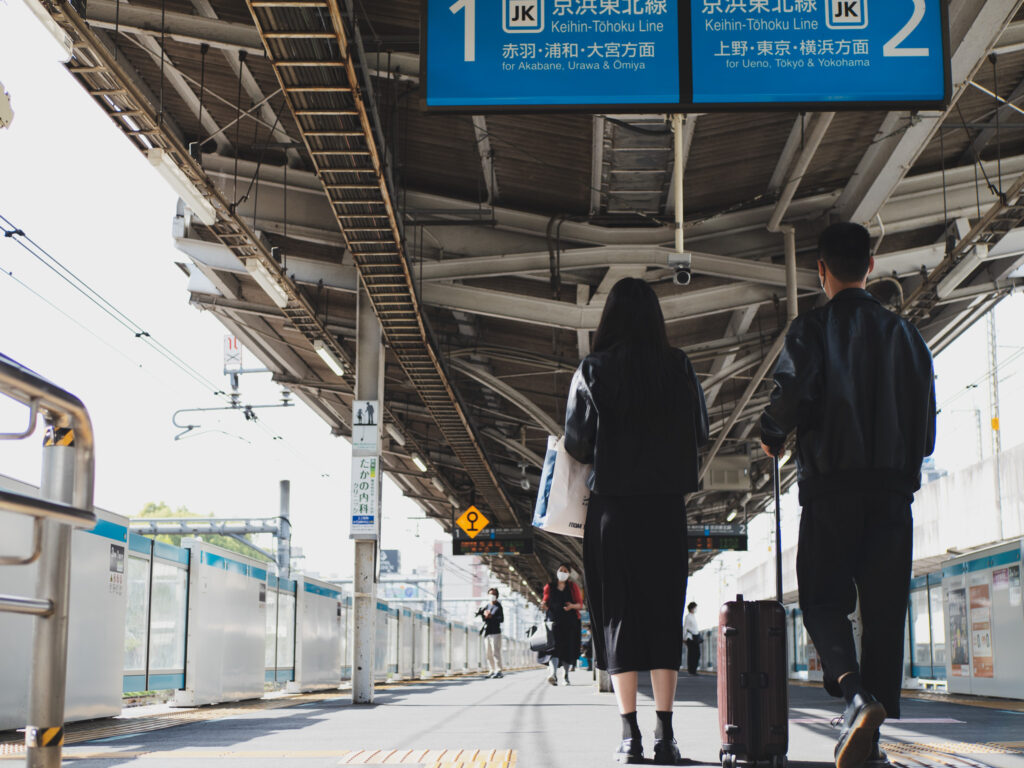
488, 243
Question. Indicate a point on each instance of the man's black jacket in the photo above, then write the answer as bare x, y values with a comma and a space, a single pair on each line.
856, 382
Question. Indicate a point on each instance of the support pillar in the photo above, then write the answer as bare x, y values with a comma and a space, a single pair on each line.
366, 479
48, 674
284, 532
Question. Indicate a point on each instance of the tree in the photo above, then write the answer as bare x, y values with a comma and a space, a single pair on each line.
163, 510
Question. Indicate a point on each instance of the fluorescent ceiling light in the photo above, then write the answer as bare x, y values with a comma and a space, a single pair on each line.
268, 282
55, 29
732, 516
436, 482
454, 502
328, 356
419, 463
181, 184
396, 435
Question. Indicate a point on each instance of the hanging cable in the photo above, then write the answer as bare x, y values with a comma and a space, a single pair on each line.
945, 205
203, 50
238, 122
163, 55
999, 143
117, 27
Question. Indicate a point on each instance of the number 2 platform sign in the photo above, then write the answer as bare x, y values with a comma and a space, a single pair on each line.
684, 55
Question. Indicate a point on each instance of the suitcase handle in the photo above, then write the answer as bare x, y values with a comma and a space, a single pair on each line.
729, 631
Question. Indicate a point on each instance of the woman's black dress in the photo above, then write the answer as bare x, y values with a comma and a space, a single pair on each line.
635, 552
565, 625
635, 559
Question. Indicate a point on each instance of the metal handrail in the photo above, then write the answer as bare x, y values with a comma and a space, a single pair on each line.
29, 505
66, 495
62, 409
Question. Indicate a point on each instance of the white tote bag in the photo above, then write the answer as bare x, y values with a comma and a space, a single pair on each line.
563, 494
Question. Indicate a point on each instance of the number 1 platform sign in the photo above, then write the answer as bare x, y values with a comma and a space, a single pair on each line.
684, 55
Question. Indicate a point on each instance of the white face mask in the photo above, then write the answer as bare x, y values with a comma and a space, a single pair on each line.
493, 599
563, 576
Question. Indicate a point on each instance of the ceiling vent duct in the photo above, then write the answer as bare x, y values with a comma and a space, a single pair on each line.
728, 473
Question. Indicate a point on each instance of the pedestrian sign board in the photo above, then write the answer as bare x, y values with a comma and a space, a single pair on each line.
472, 521
684, 55
365, 429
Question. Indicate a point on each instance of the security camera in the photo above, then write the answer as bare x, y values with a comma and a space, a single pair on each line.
682, 273
524, 484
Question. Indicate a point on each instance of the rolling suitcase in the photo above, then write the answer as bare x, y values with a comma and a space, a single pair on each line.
753, 700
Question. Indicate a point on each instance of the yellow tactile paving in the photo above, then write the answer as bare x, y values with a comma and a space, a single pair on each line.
434, 758
947, 748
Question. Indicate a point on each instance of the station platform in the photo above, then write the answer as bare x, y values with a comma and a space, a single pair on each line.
520, 720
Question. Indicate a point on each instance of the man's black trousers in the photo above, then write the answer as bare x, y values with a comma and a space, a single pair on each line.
857, 544
692, 655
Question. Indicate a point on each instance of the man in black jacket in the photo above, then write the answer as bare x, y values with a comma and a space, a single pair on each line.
493, 616
855, 380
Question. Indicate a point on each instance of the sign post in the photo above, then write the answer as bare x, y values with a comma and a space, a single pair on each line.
365, 509
684, 55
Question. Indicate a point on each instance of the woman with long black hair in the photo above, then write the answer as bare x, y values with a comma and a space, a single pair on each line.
636, 412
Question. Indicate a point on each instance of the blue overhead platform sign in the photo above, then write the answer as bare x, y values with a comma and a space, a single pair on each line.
679, 55
511, 53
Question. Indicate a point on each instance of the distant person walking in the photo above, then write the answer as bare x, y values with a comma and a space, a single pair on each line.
493, 617
691, 636
855, 380
636, 412
562, 603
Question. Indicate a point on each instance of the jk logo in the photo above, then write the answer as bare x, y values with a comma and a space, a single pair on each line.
523, 15
847, 14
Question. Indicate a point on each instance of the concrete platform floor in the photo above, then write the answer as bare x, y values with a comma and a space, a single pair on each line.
523, 721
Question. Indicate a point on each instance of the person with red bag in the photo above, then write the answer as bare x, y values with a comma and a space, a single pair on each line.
562, 604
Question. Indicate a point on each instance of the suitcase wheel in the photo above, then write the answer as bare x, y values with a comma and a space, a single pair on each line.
728, 761
779, 761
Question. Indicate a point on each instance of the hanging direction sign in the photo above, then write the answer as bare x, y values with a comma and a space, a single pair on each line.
472, 521
726, 536
684, 55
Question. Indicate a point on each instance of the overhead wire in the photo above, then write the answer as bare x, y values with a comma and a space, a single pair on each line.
18, 236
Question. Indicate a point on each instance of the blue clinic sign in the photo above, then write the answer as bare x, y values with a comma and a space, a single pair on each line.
672, 55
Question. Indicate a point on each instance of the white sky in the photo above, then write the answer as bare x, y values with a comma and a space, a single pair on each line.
78, 187
74, 184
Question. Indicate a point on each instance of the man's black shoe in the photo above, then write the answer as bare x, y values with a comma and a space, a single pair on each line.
862, 718
666, 752
630, 751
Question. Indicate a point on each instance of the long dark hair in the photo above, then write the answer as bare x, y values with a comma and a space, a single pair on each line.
633, 325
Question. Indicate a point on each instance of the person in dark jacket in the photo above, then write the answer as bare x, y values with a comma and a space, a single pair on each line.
636, 412
493, 616
855, 380
562, 603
